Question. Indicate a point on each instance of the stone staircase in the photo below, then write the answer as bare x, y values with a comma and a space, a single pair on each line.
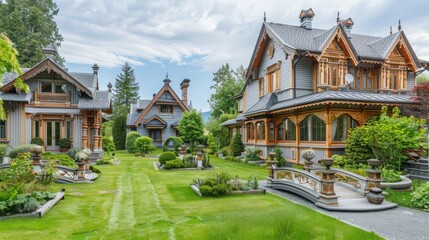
418, 169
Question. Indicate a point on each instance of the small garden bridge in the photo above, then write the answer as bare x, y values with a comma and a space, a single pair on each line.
332, 189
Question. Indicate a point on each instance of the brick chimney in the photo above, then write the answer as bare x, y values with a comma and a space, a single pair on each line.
305, 17
184, 87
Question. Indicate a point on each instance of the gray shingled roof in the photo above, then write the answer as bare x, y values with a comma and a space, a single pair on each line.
229, 122
86, 79
101, 100
350, 96
142, 103
263, 104
175, 124
13, 97
313, 40
131, 118
8, 77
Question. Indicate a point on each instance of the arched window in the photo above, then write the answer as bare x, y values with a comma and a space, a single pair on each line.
260, 130
250, 131
271, 131
341, 126
286, 130
312, 128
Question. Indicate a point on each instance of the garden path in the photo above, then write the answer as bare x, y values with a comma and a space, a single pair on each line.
396, 224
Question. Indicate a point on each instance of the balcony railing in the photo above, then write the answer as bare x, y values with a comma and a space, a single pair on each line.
52, 97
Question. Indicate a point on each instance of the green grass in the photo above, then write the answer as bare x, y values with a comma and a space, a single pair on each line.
133, 201
403, 198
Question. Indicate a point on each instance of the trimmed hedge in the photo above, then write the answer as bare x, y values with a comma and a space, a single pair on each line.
64, 159
65, 143
166, 156
174, 164
177, 142
20, 149
131, 139
38, 141
108, 145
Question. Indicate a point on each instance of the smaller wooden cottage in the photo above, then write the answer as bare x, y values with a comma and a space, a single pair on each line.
158, 118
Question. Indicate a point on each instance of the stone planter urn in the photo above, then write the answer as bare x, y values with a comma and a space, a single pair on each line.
308, 155
36, 151
272, 155
327, 162
373, 163
375, 196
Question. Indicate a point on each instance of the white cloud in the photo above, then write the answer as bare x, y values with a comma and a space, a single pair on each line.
110, 32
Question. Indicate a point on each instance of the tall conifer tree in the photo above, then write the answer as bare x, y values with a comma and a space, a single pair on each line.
126, 92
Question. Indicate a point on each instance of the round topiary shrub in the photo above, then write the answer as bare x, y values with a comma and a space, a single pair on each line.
131, 139
108, 145
38, 141
144, 145
65, 143
166, 156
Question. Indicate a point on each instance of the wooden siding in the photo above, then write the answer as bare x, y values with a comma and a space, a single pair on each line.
28, 131
410, 81
15, 117
304, 74
77, 132
252, 94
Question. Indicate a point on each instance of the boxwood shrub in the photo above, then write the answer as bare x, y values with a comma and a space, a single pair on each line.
38, 141
131, 139
174, 164
166, 156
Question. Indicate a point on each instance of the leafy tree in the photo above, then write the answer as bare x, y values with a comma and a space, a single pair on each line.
118, 132
30, 25
385, 138
220, 133
126, 91
9, 63
237, 146
107, 128
144, 145
211, 141
424, 77
227, 83
191, 127
421, 108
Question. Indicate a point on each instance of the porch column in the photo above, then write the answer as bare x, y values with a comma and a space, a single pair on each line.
84, 129
328, 132
97, 133
297, 135
267, 131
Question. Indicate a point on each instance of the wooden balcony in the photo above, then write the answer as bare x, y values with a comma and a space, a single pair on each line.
52, 99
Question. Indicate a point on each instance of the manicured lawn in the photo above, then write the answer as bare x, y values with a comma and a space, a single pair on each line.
403, 198
133, 201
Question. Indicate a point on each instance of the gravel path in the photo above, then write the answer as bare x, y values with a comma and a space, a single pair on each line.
398, 223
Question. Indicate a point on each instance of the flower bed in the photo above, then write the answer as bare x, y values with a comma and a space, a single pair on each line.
219, 183
29, 206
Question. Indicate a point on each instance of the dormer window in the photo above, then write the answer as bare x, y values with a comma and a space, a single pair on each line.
273, 77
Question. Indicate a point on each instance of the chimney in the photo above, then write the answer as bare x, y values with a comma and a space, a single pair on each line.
49, 51
109, 86
305, 17
184, 87
95, 68
347, 25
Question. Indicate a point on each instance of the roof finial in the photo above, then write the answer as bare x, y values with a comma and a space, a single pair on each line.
338, 17
166, 74
390, 30
265, 16
399, 25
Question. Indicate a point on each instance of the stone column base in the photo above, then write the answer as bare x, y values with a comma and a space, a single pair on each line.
331, 200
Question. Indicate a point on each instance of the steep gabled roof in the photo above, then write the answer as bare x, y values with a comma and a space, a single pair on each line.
165, 88
100, 100
49, 65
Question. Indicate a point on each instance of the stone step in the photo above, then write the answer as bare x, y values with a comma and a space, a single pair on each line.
410, 164
422, 171
419, 177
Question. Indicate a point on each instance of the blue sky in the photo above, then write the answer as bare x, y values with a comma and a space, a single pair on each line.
193, 38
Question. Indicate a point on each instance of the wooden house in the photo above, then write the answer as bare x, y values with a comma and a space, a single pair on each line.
158, 118
60, 104
306, 87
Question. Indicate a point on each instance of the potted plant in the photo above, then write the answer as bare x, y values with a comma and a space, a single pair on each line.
80, 159
65, 144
